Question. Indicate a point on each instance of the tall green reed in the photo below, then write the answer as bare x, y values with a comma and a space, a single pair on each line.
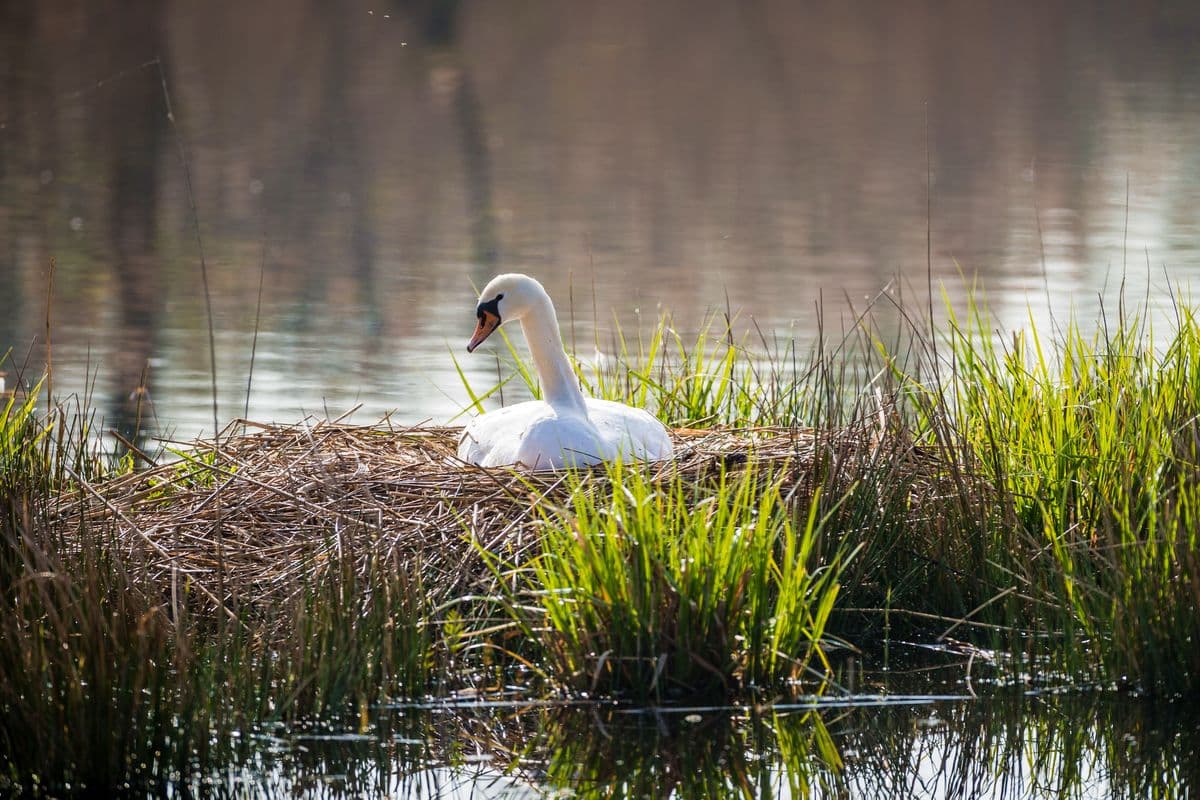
1093, 445
671, 589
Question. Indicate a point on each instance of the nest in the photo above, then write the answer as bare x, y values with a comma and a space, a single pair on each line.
260, 507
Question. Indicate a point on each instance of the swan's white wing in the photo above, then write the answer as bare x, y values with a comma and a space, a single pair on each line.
564, 441
632, 431
494, 439
532, 434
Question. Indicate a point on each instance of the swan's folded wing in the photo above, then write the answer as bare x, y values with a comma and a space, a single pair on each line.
633, 431
555, 442
533, 435
494, 439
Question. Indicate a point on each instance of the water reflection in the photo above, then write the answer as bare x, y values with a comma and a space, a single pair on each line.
369, 162
1031, 747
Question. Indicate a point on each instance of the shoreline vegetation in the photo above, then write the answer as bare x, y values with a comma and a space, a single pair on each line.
1030, 500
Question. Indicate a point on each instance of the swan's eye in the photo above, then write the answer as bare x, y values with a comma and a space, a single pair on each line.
500, 297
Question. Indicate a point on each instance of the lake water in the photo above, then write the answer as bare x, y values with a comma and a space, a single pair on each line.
369, 163
1013, 749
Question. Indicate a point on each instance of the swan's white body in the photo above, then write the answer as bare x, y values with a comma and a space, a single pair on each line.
564, 429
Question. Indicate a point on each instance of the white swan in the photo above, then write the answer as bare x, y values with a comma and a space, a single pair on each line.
565, 429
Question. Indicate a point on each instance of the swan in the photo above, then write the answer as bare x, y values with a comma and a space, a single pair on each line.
565, 429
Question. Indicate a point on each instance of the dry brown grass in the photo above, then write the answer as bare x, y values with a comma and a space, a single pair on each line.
243, 517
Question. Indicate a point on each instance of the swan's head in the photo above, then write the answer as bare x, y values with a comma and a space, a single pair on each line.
505, 298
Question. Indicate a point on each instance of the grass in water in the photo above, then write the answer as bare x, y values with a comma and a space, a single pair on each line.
1093, 445
116, 677
109, 683
661, 590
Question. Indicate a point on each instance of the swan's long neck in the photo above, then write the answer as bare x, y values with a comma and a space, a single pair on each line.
559, 385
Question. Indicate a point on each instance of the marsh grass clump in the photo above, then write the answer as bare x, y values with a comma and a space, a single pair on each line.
1093, 443
356, 638
78, 644
79, 635
109, 683
676, 589
20, 455
124, 665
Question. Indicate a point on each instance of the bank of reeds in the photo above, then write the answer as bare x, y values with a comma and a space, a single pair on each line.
1092, 441
291, 572
1033, 495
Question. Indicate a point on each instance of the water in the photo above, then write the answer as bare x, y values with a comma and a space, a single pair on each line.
1018, 747
371, 162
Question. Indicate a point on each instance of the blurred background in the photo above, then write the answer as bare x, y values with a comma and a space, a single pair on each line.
372, 163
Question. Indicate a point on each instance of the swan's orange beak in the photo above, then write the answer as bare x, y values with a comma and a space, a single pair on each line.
488, 322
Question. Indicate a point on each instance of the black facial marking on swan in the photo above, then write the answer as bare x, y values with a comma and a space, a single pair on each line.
490, 307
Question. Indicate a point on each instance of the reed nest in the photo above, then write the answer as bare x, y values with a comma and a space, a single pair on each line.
250, 513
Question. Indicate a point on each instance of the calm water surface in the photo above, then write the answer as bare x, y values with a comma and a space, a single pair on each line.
1024, 747
370, 162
